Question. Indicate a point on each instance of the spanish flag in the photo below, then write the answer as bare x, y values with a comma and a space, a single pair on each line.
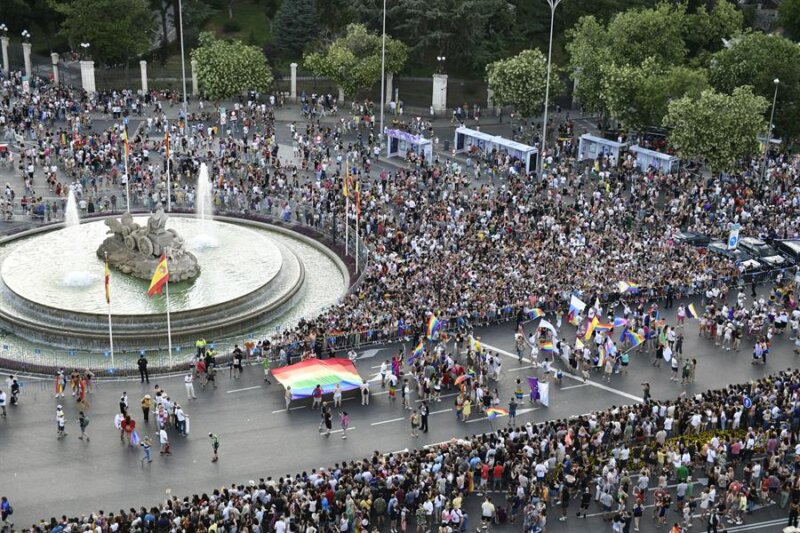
125, 141
160, 277
108, 284
166, 144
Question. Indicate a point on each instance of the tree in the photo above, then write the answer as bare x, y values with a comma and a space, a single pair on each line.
519, 81
789, 18
638, 96
705, 29
113, 39
589, 51
717, 127
757, 59
227, 68
295, 26
353, 61
637, 34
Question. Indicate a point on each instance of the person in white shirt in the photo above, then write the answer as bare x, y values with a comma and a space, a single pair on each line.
188, 381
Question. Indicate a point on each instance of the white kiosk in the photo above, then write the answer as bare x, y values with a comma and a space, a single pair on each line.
467, 140
593, 147
646, 158
399, 142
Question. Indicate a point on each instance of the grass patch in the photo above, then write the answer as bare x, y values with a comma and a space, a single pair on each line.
250, 23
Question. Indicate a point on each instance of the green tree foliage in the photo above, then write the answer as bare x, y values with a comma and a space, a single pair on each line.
756, 59
705, 29
117, 30
638, 96
353, 61
590, 51
789, 18
637, 34
295, 26
519, 81
227, 68
719, 128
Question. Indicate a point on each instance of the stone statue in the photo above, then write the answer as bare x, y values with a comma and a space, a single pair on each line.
136, 250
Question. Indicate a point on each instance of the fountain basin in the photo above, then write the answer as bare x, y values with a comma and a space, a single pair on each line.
249, 279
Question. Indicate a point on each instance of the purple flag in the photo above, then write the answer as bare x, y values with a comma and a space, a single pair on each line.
534, 385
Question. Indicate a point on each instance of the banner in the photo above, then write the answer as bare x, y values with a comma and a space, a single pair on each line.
733, 236
544, 394
533, 383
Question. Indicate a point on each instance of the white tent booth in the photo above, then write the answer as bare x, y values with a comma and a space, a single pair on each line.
646, 158
399, 142
467, 139
593, 147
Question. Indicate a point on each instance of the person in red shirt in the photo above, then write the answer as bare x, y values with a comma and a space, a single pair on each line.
128, 426
498, 476
485, 470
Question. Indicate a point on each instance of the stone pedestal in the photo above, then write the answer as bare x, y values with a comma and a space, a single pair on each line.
26, 54
143, 68
4, 46
195, 82
439, 101
293, 83
87, 76
489, 99
341, 97
54, 61
389, 89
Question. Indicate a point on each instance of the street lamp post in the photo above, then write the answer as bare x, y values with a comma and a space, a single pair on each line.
85, 52
183, 59
383, 74
440, 63
777, 82
553, 5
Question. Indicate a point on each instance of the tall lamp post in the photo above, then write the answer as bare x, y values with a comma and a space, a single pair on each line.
553, 5
85, 52
777, 82
183, 59
383, 73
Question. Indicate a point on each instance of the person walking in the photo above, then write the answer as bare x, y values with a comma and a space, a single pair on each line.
512, 412
214, 447
147, 446
424, 410
266, 365
83, 422
163, 440
5, 512
123, 403
344, 419
364, 392
180, 420
406, 392
3, 399
142, 364
327, 420
61, 421
147, 402
414, 419
188, 382
337, 396
287, 397
316, 396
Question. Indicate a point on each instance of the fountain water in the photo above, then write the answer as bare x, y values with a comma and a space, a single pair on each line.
204, 208
80, 276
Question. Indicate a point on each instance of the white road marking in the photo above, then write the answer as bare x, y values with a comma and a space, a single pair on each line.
291, 409
519, 412
520, 368
387, 421
574, 386
570, 376
246, 388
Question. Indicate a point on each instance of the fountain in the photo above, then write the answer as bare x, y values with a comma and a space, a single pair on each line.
204, 208
76, 277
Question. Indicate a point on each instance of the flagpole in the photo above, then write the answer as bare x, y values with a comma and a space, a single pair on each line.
169, 325
169, 187
358, 216
110, 331
127, 175
347, 225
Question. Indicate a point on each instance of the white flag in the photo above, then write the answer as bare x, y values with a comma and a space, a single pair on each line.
545, 324
544, 393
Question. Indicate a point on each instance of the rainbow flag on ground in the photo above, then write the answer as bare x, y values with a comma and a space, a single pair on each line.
434, 325
494, 412
303, 377
691, 311
418, 351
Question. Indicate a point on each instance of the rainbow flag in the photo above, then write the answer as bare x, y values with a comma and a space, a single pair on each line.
547, 346
603, 327
303, 377
494, 412
417, 352
535, 313
691, 311
434, 325
590, 328
634, 337
620, 322
601, 359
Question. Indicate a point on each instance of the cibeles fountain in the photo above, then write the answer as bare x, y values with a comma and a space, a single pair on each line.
229, 278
